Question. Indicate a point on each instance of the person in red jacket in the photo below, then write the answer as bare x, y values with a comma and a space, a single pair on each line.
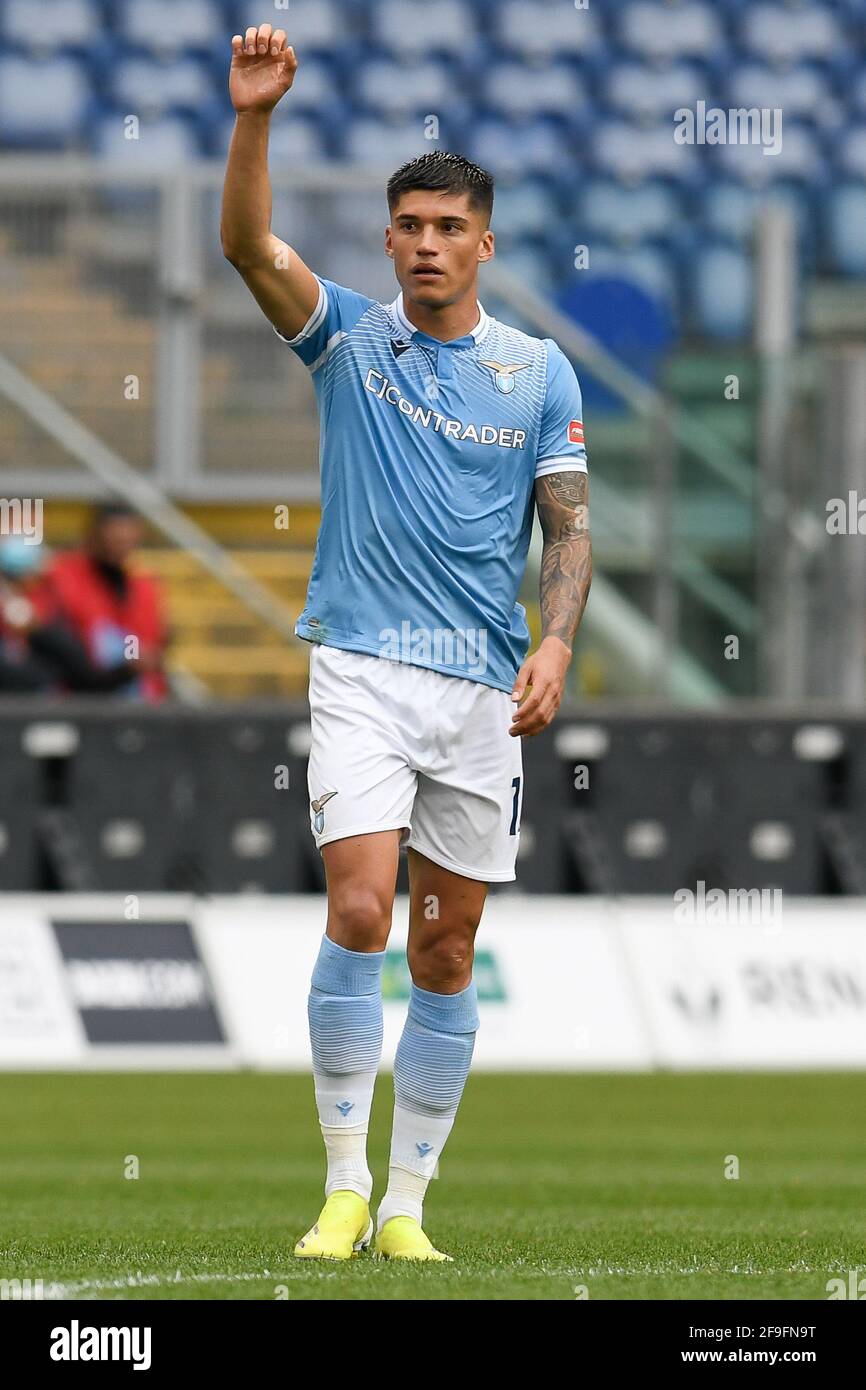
116, 612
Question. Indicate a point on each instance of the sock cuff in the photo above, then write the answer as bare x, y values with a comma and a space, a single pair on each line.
341, 971
445, 1013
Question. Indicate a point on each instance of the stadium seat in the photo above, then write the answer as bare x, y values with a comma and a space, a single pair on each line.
27, 118
628, 215
799, 157
424, 27
801, 92
388, 88
361, 266
783, 36
317, 87
857, 92
167, 143
256, 829
528, 263
643, 93
730, 210
851, 155
633, 153
524, 209
662, 33
319, 28
131, 794
292, 142
517, 149
551, 29
387, 144
60, 26
721, 282
512, 90
148, 86
845, 222
617, 302
165, 26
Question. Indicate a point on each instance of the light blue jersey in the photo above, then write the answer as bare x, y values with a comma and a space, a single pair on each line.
429, 453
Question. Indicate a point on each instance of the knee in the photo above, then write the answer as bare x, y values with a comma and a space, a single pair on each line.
359, 917
443, 963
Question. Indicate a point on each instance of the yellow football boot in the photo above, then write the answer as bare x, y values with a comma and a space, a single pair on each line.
343, 1229
401, 1238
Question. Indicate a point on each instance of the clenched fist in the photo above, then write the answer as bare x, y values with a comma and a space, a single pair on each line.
263, 69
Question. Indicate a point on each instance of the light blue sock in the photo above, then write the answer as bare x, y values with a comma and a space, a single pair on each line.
345, 1016
430, 1071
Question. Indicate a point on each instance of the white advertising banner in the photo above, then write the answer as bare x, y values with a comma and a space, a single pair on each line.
571, 984
552, 991
782, 989
39, 1024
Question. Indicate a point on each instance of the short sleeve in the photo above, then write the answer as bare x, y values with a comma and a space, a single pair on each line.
560, 443
337, 312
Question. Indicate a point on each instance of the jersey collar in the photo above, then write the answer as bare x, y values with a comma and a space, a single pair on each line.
406, 326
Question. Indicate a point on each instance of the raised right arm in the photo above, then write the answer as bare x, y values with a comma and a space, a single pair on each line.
263, 69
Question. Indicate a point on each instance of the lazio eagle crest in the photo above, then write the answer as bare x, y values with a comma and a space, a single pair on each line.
503, 374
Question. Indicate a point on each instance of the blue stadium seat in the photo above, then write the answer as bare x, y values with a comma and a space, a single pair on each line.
365, 212
387, 144
721, 292
297, 141
423, 26
147, 85
167, 143
642, 93
310, 28
528, 262
59, 25
801, 92
165, 26
549, 29
729, 210
316, 87
524, 209
514, 149
800, 157
662, 33
615, 303
845, 214
389, 88
624, 216
362, 267
648, 267
28, 117
851, 156
519, 90
782, 35
632, 153
857, 92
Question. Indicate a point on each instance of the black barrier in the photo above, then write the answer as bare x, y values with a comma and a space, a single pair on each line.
21, 799
102, 795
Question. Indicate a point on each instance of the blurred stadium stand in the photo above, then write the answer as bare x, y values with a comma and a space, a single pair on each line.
112, 265
520, 84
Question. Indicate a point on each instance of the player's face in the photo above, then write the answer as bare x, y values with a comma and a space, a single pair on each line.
437, 241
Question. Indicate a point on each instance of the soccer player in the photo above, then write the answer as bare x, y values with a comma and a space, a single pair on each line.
440, 427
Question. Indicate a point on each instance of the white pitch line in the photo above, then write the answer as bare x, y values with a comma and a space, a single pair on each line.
72, 1289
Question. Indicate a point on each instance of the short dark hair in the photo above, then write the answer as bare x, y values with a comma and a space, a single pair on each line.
446, 173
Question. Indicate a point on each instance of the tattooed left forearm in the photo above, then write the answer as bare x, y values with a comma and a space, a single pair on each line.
566, 561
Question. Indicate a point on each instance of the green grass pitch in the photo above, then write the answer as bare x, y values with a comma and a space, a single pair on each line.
549, 1184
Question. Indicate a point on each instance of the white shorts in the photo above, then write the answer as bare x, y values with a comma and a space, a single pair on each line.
399, 747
